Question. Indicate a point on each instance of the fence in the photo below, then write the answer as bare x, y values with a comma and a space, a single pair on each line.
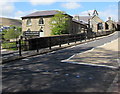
44, 42
27, 44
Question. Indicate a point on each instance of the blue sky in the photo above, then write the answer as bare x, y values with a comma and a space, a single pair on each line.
18, 9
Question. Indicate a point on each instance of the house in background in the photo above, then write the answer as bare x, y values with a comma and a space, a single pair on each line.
78, 27
110, 25
94, 22
39, 21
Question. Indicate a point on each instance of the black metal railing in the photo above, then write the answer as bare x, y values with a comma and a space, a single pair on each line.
28, 44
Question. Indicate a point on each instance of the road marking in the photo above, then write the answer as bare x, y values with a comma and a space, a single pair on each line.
25, 59
89, 64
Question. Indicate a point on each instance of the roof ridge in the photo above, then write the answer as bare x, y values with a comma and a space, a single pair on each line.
46, 10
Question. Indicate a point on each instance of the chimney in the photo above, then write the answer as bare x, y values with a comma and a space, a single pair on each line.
109, 18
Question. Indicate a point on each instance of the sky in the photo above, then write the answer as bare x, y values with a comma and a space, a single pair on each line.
16, 9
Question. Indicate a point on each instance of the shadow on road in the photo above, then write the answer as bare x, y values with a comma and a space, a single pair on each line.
46, 73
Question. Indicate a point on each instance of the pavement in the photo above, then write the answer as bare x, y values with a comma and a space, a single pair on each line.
105, 55
45, 73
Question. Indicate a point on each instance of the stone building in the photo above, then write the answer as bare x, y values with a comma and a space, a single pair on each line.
39, 21
78, 27
110, 25
93, 22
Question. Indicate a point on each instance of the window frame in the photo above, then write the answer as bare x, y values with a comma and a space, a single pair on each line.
29, 22
100, 26
41, 21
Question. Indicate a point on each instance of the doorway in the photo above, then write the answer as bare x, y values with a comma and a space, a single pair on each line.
41, 33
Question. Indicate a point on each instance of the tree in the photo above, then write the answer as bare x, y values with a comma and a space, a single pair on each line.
12, 33
59, 24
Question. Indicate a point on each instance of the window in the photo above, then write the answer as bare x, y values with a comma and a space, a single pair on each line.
41, 21
29, 22
100, 26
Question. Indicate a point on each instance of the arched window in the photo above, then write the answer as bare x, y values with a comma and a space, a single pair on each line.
29, 22
41, 21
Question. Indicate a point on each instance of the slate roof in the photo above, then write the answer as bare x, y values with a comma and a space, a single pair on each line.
84, 18
80, 22
42, 13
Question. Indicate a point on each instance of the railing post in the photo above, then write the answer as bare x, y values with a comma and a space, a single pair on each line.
85, 34
20, 48
37, 45
75, 38
50, 43
59, 41
80, 38
68, 39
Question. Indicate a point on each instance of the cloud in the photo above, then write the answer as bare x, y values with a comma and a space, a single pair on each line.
71, 5
7, 8
20, 14
85, 13
74, 0
42, 2
111, 11
108, 13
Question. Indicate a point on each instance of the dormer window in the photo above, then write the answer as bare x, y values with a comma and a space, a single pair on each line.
41, 21
29, 22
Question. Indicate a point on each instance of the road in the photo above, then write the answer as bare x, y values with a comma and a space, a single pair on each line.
46, 73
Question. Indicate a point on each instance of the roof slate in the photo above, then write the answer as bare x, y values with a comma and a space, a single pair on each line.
42, 13
85, 18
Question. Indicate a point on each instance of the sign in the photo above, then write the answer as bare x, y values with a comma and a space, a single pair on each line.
31, 33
